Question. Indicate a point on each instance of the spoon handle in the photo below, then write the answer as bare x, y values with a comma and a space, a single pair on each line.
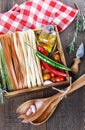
80, 82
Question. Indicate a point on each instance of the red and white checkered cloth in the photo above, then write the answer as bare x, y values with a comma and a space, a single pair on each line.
36, 14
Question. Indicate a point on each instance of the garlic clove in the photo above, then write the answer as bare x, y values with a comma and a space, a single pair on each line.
33, 108
29, 111
47, 82
38, 104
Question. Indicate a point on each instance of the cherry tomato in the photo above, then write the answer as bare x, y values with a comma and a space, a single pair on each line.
56, 57
52, 75
57, 79
46, 76
53, 79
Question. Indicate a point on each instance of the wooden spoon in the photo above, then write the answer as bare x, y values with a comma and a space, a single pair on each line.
46, 114
49, 104
22, 109
43, 117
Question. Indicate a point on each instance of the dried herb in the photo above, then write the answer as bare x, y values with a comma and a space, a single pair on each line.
80, 27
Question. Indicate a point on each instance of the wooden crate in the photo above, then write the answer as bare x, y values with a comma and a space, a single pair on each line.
43, 87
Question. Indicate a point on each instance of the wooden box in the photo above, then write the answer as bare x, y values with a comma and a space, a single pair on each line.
40, 88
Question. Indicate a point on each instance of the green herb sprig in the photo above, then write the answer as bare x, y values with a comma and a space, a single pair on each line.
1, 88
80, 27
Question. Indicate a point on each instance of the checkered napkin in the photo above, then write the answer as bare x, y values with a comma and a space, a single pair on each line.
36, 14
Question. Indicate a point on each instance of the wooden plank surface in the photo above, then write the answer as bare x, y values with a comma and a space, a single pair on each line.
70, 115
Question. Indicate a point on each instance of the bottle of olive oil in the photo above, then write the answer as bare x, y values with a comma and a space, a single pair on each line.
47, 38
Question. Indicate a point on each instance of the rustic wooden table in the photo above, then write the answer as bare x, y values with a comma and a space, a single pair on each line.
70, 115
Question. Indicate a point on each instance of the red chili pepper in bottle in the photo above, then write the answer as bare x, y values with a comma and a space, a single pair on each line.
42, 50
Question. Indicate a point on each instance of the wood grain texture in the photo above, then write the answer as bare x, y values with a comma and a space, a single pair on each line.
70, 115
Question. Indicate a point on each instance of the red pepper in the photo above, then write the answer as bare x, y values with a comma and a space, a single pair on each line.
45, 65
42, 67
54, 71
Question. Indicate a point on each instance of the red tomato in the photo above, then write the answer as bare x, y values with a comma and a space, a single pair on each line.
46, 76
57, 79
52, 75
